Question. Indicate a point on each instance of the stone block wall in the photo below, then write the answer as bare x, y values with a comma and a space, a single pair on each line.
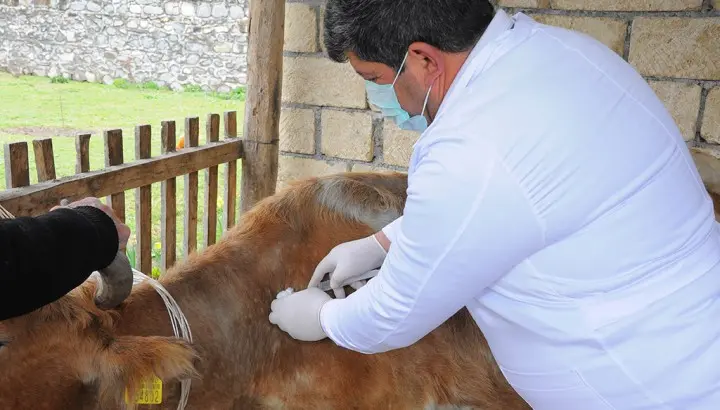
171, 43
327, 126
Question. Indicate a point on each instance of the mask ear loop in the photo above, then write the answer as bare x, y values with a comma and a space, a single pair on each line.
427, 96
401, 67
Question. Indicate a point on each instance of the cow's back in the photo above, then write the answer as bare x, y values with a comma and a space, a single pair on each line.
453, 364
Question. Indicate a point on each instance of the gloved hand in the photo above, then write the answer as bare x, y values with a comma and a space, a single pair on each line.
349, 264
298, 314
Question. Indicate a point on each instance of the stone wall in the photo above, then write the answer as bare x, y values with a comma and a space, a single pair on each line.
326, 125
171, 43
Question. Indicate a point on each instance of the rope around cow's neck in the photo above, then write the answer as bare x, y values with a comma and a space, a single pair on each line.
180, 325
178, 321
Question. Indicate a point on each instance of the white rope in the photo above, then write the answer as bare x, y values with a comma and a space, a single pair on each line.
180, 325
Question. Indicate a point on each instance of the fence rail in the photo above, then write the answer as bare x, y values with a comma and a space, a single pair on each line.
23, 199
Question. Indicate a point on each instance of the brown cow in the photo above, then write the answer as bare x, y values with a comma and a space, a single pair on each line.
72, 355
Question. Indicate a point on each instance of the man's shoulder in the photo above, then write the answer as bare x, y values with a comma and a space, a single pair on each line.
456, 148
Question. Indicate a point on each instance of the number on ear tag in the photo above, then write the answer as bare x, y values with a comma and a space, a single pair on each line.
150, 392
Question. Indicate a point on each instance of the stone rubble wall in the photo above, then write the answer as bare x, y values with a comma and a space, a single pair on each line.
171, 43
327, 126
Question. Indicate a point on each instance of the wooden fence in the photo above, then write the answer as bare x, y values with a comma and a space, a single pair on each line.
258, 150
23, 199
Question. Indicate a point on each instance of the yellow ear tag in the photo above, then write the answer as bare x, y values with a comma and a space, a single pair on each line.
150, 392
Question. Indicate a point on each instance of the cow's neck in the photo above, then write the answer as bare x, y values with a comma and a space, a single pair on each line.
225, 300
226, 291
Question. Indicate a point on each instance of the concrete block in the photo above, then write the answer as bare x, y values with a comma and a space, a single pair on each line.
680, 47
347, 134
682, 101
297, 130
323, 82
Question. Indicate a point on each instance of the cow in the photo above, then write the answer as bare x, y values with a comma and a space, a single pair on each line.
72, 354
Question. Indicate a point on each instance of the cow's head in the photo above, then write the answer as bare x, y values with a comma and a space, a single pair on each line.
67, 356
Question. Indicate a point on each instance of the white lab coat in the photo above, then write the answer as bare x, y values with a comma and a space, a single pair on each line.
553, 196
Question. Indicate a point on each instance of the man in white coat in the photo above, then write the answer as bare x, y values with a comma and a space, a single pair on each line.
551, 194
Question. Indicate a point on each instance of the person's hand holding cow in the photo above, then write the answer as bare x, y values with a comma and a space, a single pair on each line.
123, 230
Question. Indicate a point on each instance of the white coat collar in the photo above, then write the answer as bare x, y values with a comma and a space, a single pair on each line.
498, 25
477, 58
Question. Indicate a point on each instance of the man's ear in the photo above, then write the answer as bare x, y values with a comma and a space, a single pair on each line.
429, 60
130, 360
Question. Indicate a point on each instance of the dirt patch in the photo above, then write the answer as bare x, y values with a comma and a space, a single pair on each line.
46, 132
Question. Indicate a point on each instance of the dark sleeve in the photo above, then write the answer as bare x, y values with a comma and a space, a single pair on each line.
43, 258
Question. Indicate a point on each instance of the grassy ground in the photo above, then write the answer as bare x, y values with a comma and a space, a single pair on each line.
40, 107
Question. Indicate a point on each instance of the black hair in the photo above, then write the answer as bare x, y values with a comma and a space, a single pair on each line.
382, 30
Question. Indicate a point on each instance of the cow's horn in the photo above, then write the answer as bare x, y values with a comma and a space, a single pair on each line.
115, 284
116, 280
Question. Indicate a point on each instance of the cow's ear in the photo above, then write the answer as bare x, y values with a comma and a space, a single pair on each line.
130, 360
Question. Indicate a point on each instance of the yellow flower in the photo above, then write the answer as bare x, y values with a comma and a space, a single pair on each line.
158, 245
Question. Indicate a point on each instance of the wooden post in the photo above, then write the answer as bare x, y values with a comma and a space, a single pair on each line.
168, 203
44, 159
17, 165
143, 205
114, 156
262, 105
211, 183
192, 133
82, 153
230, 191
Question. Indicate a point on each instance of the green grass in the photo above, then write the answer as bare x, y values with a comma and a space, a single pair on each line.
40, 107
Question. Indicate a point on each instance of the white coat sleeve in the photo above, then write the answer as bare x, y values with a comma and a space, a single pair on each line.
390, 230
465, 224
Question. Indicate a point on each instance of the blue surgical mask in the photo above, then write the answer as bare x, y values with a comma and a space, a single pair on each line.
384, 97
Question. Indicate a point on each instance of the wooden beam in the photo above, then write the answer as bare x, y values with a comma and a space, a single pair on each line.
39, 198
263, 99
